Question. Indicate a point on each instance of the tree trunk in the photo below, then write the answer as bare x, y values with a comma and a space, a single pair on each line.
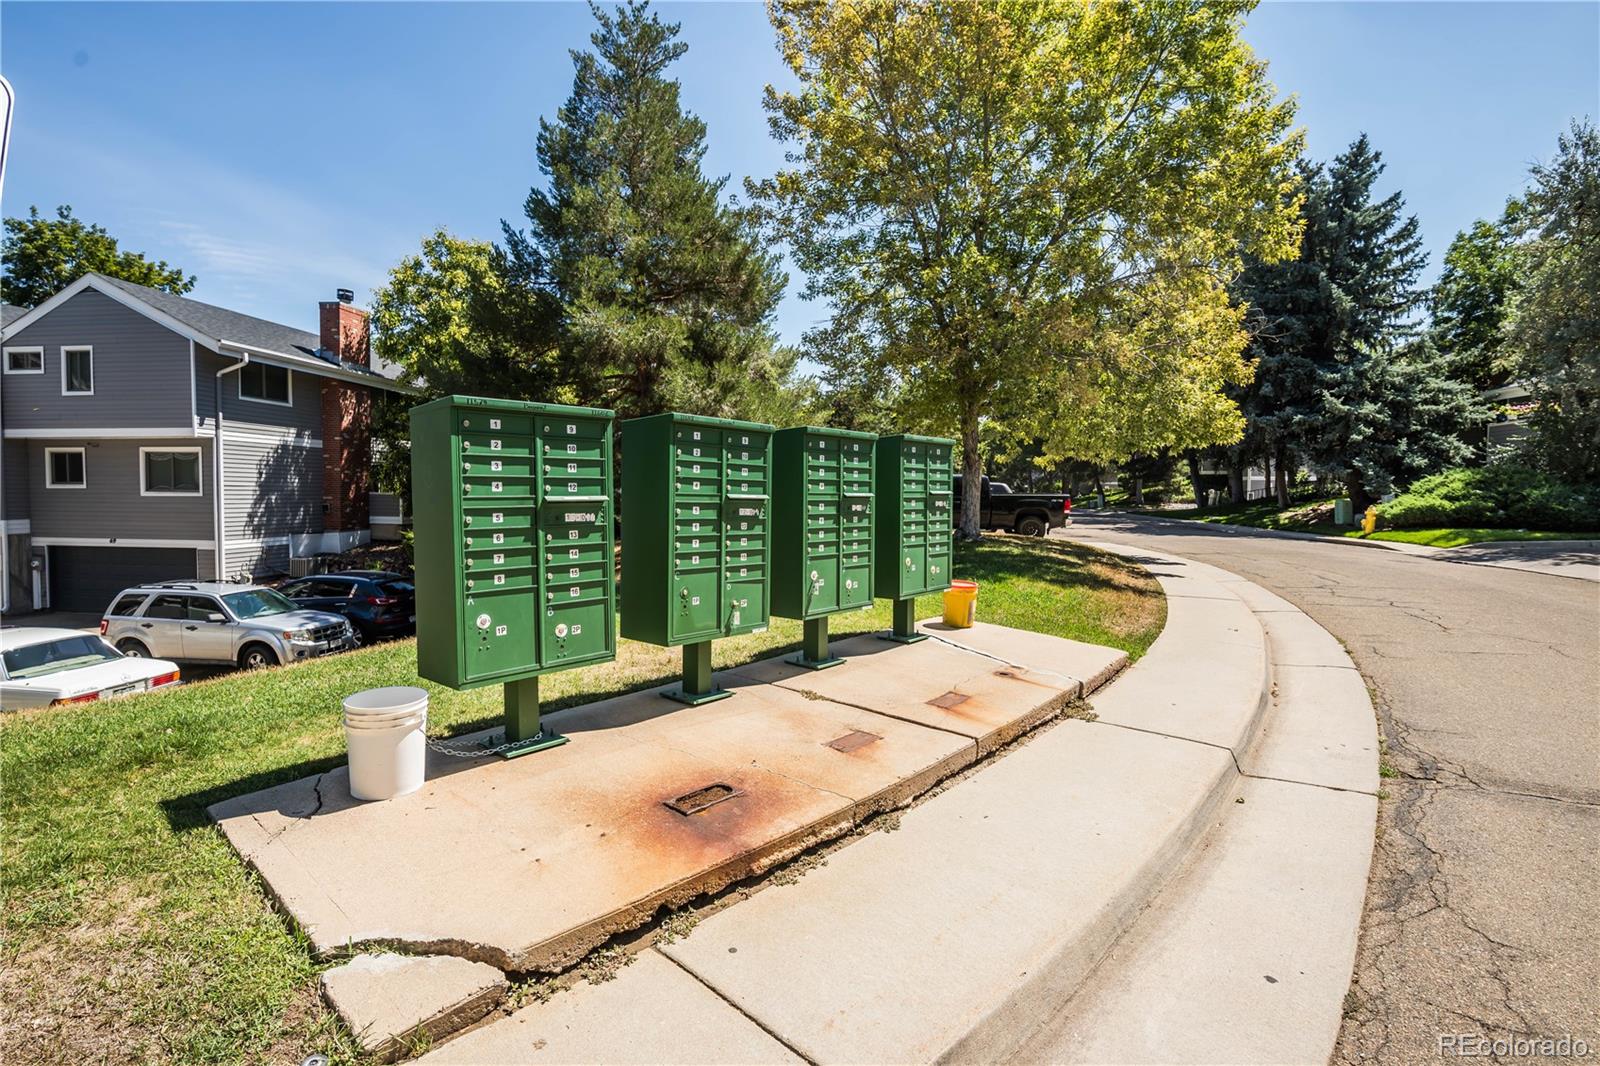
1137, 495
1194, 480
1360, 499
1283, 478
971, 474
1236, 471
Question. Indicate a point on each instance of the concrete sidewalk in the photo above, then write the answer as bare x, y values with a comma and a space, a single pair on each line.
974, 931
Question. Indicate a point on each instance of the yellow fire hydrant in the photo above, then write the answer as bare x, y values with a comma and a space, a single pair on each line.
1369, 521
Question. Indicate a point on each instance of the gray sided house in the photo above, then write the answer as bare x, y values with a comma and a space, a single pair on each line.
146, 436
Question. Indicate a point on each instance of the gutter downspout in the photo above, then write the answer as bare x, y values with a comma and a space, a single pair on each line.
222, 509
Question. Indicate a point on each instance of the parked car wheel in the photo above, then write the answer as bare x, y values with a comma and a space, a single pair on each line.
357, 637
256, 656
132, 649
1032, 526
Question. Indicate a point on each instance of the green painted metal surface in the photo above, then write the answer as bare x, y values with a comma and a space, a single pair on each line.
695, 539
513, 521
822, 508
914, 516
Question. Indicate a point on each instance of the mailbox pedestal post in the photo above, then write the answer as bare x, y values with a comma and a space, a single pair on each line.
814, 653
905, 623
698, 686
522, 720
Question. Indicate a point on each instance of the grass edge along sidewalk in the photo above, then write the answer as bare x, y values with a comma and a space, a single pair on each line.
1316, 517
133, 932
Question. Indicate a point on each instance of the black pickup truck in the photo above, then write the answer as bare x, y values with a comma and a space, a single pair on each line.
1033, 514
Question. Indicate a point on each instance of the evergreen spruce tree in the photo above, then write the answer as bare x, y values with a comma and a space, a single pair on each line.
665, 296
1344, 381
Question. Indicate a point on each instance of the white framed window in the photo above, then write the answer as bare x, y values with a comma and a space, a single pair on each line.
169, 472
77, 370
65, 468
24, 361
265, 383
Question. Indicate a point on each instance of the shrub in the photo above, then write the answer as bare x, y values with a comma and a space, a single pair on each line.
1498, 496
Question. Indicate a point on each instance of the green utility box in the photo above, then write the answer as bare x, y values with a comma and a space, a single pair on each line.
513, 525
694, 548
822, 492
914, 525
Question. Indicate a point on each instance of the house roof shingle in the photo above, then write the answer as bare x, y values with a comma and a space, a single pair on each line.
247, 331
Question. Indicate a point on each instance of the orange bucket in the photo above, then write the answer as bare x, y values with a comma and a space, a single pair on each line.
961, 604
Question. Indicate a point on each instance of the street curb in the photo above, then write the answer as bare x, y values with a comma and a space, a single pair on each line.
1288, 534
1276, 887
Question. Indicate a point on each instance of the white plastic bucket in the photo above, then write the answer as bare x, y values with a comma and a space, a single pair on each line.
384, 732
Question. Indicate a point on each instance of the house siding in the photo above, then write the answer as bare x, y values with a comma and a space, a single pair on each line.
256, 559
205, 564
141, 371
14, 500
111, 505
272, 488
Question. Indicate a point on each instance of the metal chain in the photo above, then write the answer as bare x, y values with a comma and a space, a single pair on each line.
476, 752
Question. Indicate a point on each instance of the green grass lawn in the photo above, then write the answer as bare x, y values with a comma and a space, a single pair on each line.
1317, 517
1455, 538
135, 934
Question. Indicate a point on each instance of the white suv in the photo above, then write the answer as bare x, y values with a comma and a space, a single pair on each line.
218, 622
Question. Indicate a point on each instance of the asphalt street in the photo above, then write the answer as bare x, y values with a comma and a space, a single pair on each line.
1484, 899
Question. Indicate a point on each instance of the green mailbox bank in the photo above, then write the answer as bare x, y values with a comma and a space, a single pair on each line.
822, 492
914, 525
695, 538
513, 526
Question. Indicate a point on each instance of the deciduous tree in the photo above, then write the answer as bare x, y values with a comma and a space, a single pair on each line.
43, 255
1553, 330
986, 192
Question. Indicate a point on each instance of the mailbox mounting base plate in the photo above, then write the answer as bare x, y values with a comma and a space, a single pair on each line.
814, 664
695, 699
903, 638
533, 744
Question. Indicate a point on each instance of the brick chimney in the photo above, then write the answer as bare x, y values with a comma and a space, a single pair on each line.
346, 419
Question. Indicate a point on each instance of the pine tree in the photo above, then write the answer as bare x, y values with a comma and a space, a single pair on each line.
1344, 382
665, 296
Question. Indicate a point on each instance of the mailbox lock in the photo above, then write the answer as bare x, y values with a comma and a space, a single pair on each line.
561, 630
484, 621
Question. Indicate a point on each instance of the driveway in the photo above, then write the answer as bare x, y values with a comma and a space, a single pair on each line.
1485, 891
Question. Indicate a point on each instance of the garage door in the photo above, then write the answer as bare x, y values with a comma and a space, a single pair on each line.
86, 579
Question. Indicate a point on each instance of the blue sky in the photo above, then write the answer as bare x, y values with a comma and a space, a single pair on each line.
282, 150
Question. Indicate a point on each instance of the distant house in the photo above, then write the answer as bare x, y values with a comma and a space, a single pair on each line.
147, 436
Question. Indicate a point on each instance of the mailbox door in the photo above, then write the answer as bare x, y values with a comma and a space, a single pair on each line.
941, 504
501, 632
747, 606
575, 576
823, 527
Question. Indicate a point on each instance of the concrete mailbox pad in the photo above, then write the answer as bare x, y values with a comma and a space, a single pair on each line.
527, 864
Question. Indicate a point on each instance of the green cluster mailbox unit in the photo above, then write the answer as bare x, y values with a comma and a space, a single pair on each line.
695, 547
822, 545
513, 526
914, 525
